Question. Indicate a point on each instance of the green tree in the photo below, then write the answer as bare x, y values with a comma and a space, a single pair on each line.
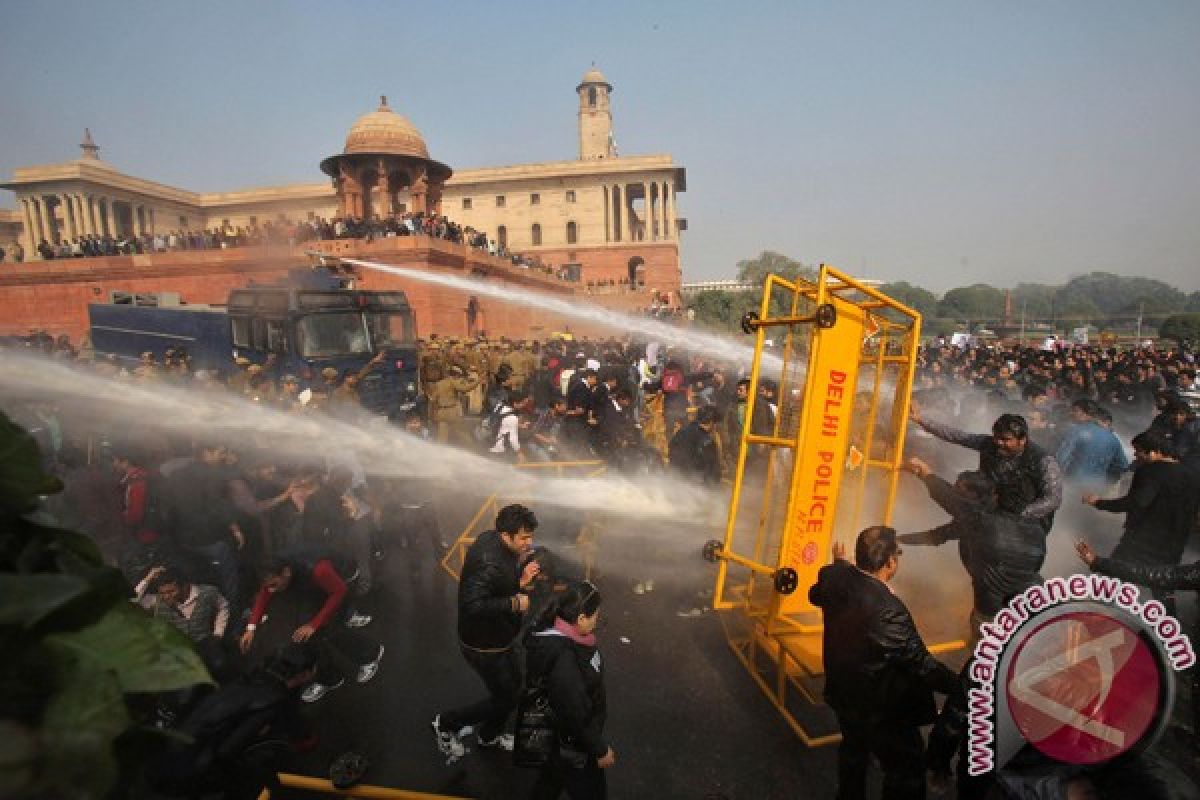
74, 648
1036, 300
976, 302
1120, 295
768, 262
1181, 328
917, 298
723, 310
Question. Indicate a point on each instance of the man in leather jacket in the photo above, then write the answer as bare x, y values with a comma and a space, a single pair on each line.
1027, 478
492, 602
1001, 551
879, 676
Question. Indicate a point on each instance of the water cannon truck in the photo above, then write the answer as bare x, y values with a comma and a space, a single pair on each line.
312, 320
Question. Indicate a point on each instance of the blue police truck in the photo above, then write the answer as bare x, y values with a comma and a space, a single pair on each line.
313, 320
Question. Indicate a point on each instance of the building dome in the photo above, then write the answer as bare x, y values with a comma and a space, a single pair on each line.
384, 131
594, 76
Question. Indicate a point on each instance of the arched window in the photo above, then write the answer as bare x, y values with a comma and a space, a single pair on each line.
502, 236
592, 96
572, 233
536, 234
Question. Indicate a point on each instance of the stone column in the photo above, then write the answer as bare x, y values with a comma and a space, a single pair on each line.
607, 214
30, 235
81, 200
616, 200
630, 217
39, 205
94, 215
110, 207
648, 215
668, 211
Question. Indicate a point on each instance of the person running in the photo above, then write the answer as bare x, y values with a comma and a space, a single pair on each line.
492, 600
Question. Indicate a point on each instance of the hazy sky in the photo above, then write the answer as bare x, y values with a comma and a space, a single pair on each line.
937, 142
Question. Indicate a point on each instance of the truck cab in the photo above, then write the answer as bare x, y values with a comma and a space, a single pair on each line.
301, 326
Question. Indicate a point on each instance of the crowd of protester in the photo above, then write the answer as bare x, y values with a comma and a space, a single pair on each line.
211, 533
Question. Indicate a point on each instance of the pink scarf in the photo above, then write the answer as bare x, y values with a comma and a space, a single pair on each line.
568, 630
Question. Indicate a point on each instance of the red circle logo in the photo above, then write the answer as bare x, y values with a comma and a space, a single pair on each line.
809, 554
1083, 687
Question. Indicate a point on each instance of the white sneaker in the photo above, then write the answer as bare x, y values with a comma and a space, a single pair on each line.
503, 741
357, 620
316, 691
449, 744
368, 671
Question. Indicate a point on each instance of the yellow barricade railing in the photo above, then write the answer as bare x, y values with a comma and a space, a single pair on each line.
362, 792
452, 562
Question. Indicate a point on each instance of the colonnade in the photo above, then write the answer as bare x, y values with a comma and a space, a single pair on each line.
79, 214
657, 221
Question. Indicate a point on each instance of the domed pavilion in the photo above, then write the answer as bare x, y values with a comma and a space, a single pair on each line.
385, 168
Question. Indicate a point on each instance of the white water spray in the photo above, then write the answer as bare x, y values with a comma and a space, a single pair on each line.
130, 409
712, 345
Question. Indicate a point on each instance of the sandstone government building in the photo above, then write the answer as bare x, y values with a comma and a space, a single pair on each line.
604, 214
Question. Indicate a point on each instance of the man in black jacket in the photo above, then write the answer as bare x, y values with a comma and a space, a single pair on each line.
492, 601
1001, 551
1027, 478
1160, 506
879, 676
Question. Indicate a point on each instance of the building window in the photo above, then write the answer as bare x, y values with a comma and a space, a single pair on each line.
536, 234
225, 223
183, 222
592, 96
466, 204
572, 233
570, 195
535, 199
253, 219
312, 215
502, 236
499, 201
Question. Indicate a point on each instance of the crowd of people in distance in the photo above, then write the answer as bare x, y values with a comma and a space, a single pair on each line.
270, 565
284, 233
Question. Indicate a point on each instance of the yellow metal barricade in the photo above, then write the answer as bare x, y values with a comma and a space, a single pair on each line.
815, 464
363, 792
452, 562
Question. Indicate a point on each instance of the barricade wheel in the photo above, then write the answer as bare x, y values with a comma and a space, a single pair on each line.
826, 315
750, 322
712, 550
786, 580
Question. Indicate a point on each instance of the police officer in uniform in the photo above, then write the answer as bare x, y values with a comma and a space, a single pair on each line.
445, 404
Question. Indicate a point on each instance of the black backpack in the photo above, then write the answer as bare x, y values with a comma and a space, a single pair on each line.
535, 737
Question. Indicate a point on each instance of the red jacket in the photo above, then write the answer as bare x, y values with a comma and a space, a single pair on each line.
133, 507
